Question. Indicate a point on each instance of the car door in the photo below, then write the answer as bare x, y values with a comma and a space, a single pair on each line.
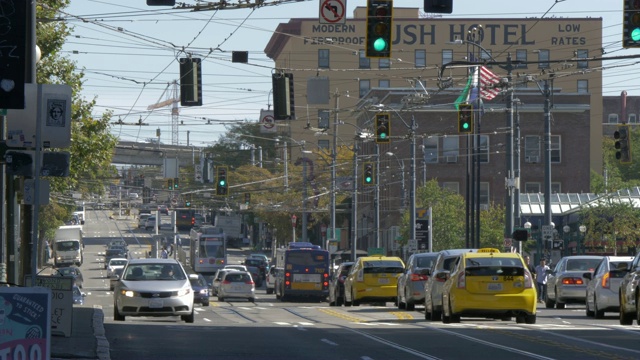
629, 283
402, 279
552, 278
596, 277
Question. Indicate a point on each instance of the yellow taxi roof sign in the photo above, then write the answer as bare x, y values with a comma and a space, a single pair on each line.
488, 250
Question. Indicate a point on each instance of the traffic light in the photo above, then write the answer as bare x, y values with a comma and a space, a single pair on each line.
383, 127
187, 202
176, 183
379, 24
170, 184
247, 198
191, 82
368, 176
631, 24
222, 186
623, 144
465, 118
438, 6
283, 96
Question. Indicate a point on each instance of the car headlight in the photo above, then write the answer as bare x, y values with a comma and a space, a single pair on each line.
128, 293
183, 292
204, 292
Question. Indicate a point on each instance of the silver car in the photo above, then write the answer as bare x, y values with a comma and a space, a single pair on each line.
237, 284
153, 287
439, 274
217, 279
566, 282
411, 282
604, 284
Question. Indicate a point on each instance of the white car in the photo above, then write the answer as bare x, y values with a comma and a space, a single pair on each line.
271, 280
237, 284
153, 287
150, 223
115, 263
142, 220
217, 279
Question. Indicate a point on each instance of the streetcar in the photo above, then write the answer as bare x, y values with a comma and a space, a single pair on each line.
208, 249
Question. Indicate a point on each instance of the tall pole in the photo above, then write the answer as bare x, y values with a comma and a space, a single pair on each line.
516, 172
547, 154
334, 156
412, 188
508, 230
376, 200
286, 167
354, 205
304, 201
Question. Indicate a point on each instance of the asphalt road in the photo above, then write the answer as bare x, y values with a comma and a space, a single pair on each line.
270, 329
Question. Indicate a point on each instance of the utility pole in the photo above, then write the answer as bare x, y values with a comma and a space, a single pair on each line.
376, 200
547, 154
354, 205
412, 188
510, 181
334, 158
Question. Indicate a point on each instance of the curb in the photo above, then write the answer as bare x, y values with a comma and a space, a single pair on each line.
102, 344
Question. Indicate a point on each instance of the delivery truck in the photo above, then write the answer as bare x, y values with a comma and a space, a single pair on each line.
68, 246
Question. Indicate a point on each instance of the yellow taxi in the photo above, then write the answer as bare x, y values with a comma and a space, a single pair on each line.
373, 279
490, 284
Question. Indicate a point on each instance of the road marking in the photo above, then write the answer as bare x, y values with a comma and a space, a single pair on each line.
205, 319
328, 342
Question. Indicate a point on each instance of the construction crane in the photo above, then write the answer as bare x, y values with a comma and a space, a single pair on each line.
173, 99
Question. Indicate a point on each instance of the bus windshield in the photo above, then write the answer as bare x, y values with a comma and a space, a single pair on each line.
211, 248
307, 258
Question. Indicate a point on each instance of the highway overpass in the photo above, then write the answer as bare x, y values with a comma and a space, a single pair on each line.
135, 153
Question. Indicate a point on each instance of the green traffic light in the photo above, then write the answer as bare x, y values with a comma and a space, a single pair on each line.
635, 34
465, 126
383, 135
380, 44
222, 183
368, 179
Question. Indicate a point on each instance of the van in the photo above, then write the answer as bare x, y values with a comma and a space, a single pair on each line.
373, 279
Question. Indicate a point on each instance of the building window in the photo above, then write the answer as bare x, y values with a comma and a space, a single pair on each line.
484, 148
452, 186
632, 119
555, 188
583, 54
323, 144
421, 58
447, 56
521, 55
384, 63
451, 148
532, 149
323, 119
364, 62
583, 86
365, 86
323, 58
484, 196
613, 118
384, 83
555, 149
430, 150
532, 188
543, 59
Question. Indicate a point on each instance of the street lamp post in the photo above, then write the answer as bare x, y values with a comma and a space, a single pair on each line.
583, 231
294, 218
566, 230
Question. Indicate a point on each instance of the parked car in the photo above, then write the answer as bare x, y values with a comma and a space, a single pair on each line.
217, 279
490, 284
78, 296
630, 293
201, 291
271, 280
237, 284
411, 282
153, 287
74, 272
336, 285
604, 285
566, 283
142, 220
373, 279
115, 263
150, 223
115, 276
433, 287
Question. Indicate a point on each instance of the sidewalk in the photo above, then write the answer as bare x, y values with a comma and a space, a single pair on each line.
87, 340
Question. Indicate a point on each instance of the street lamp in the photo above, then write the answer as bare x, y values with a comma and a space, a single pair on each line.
294, 218
401, 163
583, 231
566, 230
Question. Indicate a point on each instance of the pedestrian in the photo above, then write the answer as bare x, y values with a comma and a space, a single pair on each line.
541, 279
164, 254
530, 267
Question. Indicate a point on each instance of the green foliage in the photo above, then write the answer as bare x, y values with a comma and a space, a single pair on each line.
610, 220
492, 227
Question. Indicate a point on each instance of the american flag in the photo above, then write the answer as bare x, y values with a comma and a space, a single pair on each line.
488, 80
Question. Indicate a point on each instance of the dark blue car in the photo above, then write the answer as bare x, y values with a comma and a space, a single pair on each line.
201, 291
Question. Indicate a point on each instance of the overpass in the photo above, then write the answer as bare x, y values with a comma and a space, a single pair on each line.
136, 153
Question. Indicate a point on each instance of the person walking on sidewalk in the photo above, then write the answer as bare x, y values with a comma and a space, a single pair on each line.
541, 279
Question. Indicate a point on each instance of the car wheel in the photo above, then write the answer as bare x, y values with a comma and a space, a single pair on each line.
205, 303
354, 302
589, 312
597, 313
455, 318
520, 319
116, 314
189, 318
548, 303
446, 319
436, 315
637, 308
625, 318
399, 302
220, 298
427, 314
530, 319
252, 300
339, 300
505, 318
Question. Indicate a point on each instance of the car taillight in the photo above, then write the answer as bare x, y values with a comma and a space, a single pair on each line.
605, 281
227, 282
417, 277
462, 283
249, 282
572, 281
528, 283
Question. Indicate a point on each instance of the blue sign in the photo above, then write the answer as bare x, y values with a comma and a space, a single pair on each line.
25, 323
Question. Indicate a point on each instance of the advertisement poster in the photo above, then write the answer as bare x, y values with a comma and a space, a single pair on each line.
25, 323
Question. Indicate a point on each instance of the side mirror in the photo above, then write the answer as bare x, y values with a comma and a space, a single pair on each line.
588, 275
443, 275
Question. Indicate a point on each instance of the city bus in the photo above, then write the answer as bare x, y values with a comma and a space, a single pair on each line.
302, 270
208, 249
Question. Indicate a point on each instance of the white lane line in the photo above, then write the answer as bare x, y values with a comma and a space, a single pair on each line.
205, 319
326, 341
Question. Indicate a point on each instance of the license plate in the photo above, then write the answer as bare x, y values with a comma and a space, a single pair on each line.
155, 303
307, 278
494, 286
383, 280
236, 288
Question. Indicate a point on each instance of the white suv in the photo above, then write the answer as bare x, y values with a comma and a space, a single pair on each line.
271, 280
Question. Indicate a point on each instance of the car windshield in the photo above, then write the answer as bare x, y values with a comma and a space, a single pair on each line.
118, 262
582, 264
154, 271
67, 271
494, 266
383, 267
197, 282
67, 245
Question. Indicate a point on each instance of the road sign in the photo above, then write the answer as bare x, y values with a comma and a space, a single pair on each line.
412, 245
174, 201
547, 231
332, 11
267, 122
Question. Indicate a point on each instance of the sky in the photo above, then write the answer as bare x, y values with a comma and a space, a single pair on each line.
129, 52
